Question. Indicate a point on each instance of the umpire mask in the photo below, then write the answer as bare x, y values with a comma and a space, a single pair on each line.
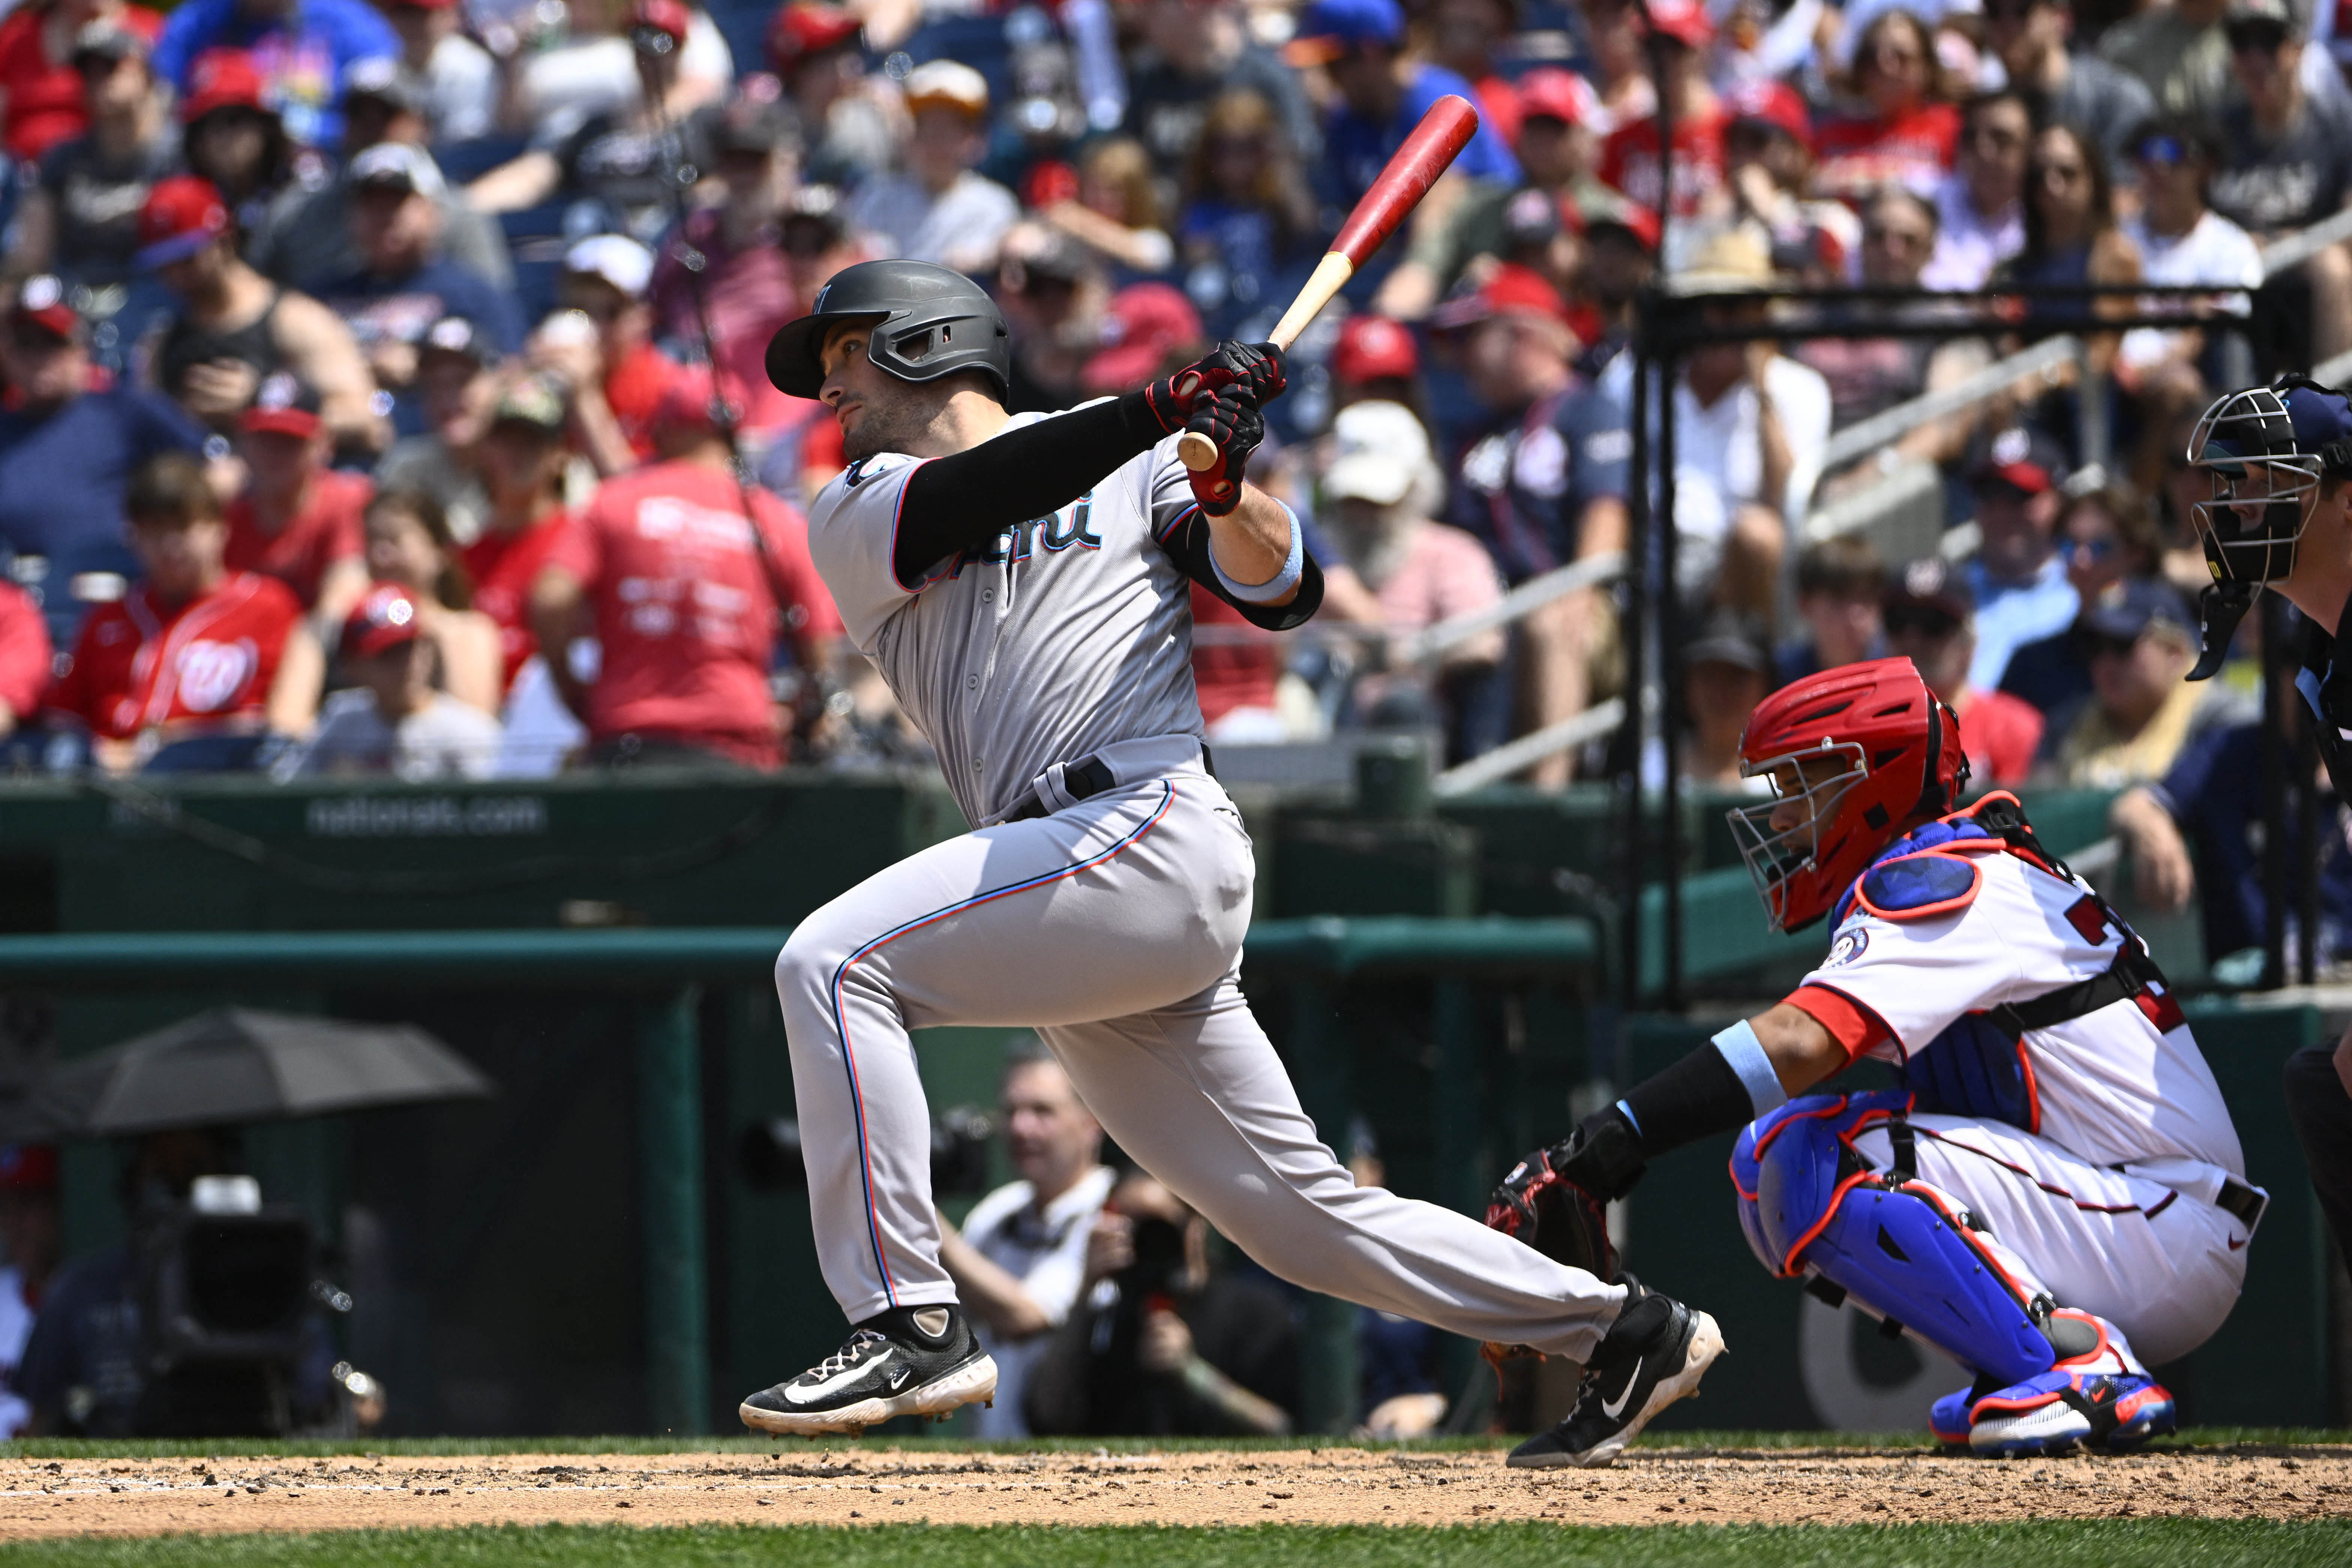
2264, 450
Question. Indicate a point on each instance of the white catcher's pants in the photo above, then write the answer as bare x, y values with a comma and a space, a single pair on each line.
1113, 928
2144, 1247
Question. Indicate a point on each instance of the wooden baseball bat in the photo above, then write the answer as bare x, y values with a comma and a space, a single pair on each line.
1434, 143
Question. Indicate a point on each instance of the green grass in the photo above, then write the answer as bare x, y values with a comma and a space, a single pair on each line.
2138, 1543
2234, 1438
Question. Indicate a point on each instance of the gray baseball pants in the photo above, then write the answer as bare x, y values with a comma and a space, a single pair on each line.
1114, 927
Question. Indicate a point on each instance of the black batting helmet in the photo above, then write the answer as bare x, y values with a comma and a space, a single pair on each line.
928, 322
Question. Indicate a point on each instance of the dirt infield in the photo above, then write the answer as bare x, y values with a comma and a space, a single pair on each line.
1330, 1486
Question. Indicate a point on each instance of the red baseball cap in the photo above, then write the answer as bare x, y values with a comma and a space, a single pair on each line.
1557, 94
1511, 289
1771, 103
663, 15
385, 617
43, 302
804, 29
1685, 21
224, 79
1629, 216
686, 398
1145, 323
282, 405
1374, 348
182, 215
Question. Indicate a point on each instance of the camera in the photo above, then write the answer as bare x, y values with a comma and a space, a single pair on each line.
769, 1153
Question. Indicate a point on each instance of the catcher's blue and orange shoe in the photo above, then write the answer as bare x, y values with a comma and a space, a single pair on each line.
2099, 1398
2051, 1413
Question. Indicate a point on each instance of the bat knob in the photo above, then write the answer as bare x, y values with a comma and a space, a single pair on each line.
1196, 451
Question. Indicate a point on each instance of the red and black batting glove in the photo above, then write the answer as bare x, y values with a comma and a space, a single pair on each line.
1255, 369
1233, 422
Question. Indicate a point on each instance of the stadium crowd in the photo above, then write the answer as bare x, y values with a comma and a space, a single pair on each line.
384, 388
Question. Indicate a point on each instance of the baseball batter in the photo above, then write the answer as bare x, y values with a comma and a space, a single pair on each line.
2053, 1195
1023, 584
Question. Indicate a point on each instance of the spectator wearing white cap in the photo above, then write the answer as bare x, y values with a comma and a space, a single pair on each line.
937, 209
1379, 491
601, 343
404, 282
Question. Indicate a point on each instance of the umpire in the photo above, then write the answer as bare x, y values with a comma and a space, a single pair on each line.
2279, 459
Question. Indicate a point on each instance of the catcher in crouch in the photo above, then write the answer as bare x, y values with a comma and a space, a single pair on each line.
2054, 1197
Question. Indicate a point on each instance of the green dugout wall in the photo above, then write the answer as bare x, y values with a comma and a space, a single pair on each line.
525, 1266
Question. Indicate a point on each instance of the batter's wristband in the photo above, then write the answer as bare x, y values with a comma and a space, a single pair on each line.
1282, 582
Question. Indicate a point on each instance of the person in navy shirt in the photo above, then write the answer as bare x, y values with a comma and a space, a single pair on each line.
1383, 93
66, 450
404, 283
303, 48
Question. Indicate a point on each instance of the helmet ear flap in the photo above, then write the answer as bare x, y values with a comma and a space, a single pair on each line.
1935, 796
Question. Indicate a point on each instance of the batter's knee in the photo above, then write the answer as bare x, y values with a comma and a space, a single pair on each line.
806, 965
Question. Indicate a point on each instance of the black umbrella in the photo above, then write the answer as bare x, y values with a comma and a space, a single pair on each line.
235, 1065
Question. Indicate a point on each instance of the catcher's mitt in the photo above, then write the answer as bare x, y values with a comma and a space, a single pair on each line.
1553, 1213
1556, 1201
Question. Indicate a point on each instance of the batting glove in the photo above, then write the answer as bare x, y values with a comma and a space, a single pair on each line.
1233, 422
1253, 370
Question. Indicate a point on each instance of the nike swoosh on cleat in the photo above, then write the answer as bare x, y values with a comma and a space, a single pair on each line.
796, 1394
899, 1379
1617, 1409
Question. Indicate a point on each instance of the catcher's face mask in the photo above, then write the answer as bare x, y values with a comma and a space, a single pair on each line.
1781, 838
2260, 488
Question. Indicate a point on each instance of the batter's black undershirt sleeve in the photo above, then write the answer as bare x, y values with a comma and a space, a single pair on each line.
1187, 545
959, 503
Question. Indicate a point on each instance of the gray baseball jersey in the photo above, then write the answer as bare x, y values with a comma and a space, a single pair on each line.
1065, 635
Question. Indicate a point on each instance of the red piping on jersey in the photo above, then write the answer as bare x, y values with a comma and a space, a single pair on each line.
841, 1024
1169, 532
2038, 1182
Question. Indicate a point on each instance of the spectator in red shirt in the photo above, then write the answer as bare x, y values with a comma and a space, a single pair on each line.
194, 667
1910, 134
1931, 618
602, 343
687, 603
25, 656
297, 520
1628, 159
40, 89
521, 458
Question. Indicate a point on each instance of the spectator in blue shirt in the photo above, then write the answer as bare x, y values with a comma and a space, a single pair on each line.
2018, 480
404, 283
65, 451
304, 48
1383, 92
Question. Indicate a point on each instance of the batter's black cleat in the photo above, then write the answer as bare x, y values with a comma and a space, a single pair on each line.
908, 1361
1653, 1354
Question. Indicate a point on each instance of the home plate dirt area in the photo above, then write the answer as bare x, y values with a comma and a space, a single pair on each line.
878, 1484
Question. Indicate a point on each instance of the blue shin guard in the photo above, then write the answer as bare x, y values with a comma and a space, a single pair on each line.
1810, 1205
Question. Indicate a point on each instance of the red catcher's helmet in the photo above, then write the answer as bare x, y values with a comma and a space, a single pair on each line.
1868, 750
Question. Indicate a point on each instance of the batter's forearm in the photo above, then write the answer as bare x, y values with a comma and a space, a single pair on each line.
1253, 543
960, 502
